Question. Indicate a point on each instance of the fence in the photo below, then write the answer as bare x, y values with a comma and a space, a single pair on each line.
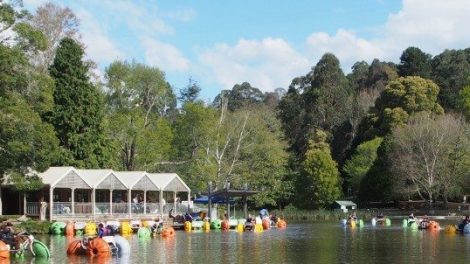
33, 209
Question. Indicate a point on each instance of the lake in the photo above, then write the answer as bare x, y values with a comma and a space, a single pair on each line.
299, 243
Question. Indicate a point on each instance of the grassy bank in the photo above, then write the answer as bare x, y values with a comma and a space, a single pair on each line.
33, 226
293, 214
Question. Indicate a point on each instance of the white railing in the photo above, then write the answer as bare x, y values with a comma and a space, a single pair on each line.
32, 209
137, 208
62, 208
83, 208
180, 208
152, 208
102, 208
120, 208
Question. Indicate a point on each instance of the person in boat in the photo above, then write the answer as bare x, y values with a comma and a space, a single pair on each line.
188, 217
101, 230
273, 218
464, 222
249, 224
380, 218
411, 218
424, 222
263, 213
157, 226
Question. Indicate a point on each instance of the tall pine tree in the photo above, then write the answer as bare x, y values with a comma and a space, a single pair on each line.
78, 109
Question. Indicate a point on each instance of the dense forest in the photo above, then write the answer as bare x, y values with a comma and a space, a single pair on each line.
383, 132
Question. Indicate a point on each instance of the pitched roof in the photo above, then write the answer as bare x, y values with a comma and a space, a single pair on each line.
346, 203
94, 177
129, 178
52, 175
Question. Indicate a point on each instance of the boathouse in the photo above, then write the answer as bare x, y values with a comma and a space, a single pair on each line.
71, 193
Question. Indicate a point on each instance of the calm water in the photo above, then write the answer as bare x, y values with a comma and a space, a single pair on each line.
299, 243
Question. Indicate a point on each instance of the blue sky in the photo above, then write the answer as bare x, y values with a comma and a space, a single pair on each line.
267, 43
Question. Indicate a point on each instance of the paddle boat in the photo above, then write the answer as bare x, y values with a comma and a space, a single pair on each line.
21, 243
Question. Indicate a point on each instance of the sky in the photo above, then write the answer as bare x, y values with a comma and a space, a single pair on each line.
266, 42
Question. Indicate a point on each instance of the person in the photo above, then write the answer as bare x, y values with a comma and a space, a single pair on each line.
249, 222
157, 227
273, 218
100, 230
6, 230
411, 217
464, 222
170, 214
424, 222
353, 217
188, 217
42, 210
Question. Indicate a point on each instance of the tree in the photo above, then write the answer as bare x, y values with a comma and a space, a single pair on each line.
321, 183
450, 70
361, 161
190, 92
27, 145
403, 97
139, 99
431, 156
78, 109
241, 95
414, 62
463, 102
358, 77
16, 30
56, 23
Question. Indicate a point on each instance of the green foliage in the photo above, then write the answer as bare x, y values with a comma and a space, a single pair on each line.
241, 96
463, 102
190, 93
359, 164
450, 70
377, 185
138, 101
26, 143
321, 180
78, 110
403, 97
34, 227
13, 67
414, 62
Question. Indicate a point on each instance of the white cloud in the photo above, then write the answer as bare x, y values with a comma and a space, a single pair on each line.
430, 25
99, 47
184, 15
266, 64
163, 55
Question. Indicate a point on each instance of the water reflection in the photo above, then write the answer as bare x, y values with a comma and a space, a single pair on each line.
299, 243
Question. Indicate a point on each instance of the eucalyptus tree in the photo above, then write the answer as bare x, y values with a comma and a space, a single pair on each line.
56, 23
431, 156
139, 100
